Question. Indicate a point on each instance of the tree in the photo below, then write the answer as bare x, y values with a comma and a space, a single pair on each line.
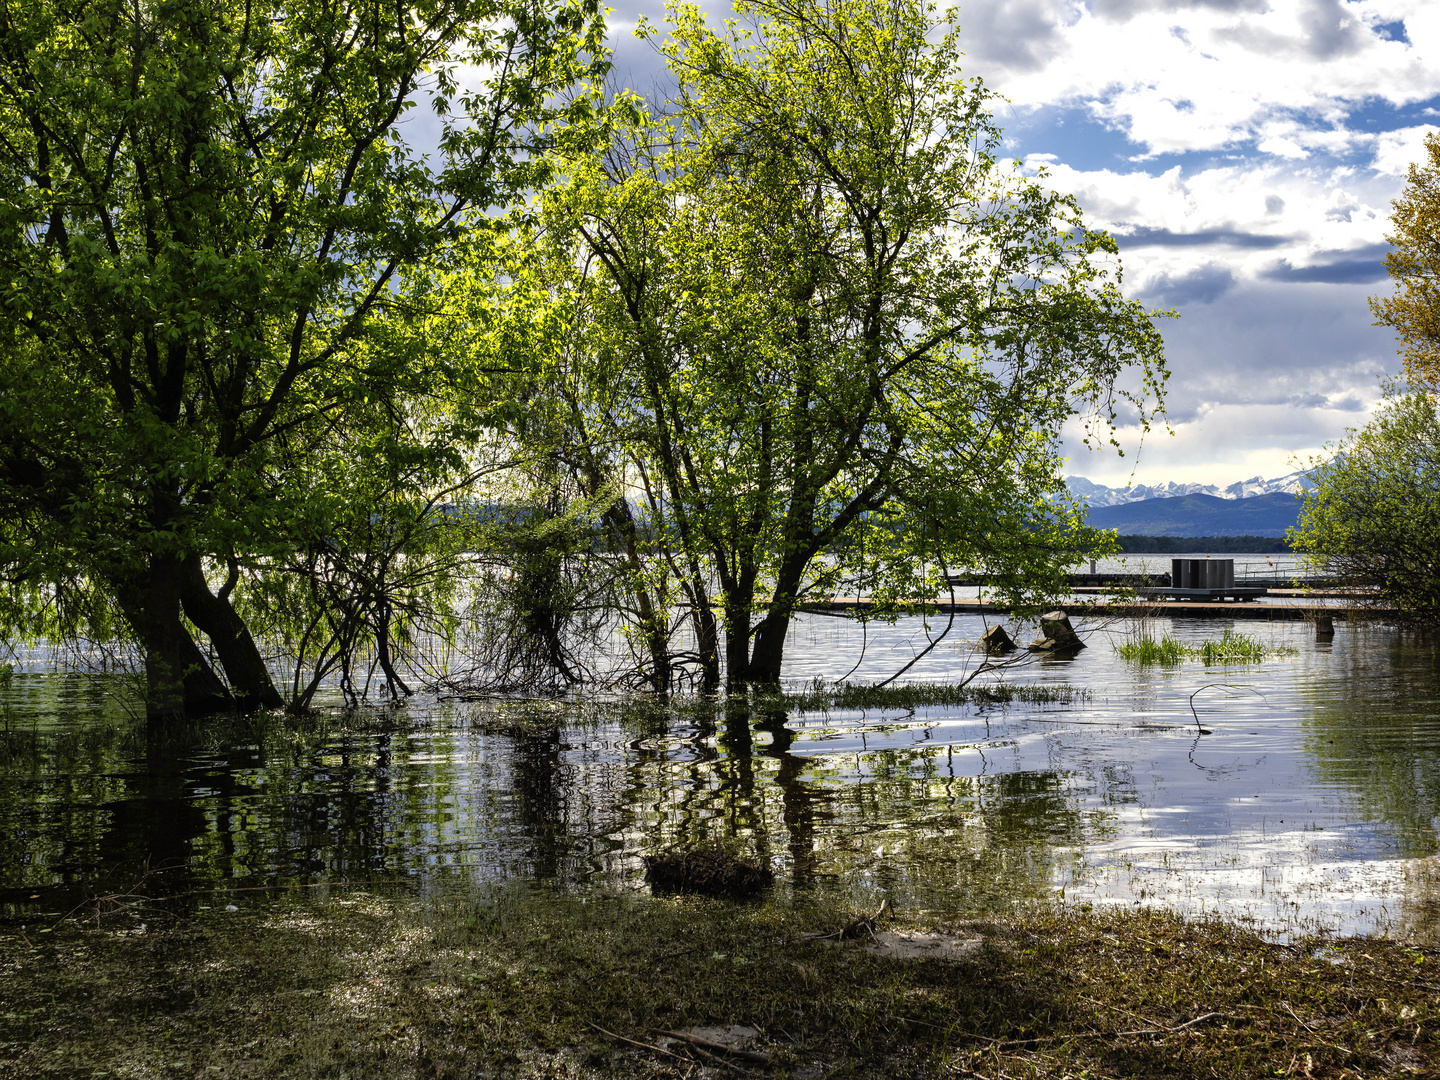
1374, 514
816, 334
210, 214
1414, 266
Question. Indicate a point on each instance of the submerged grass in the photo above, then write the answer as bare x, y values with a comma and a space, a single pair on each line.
516, 983
823, 697
1233, 647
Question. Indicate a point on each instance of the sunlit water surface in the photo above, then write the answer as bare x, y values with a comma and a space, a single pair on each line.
1312, 803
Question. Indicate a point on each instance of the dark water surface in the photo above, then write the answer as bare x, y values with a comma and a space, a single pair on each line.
1313, 802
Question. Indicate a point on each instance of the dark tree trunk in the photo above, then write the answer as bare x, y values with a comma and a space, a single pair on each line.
769, 650
217, 620
769, 653
707, 644
737, 645
179, 682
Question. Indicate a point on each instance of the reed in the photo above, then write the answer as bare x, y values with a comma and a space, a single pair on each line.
1233, 647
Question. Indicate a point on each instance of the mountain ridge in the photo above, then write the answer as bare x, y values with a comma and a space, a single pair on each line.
1201, 514
1097, 496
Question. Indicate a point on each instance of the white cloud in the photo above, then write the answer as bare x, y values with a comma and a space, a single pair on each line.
1184, 77
1395, 150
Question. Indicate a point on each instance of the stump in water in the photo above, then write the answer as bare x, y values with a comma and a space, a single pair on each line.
707, 871
997, 642
1060, 636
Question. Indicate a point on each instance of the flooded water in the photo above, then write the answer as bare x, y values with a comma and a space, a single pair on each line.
1312, 802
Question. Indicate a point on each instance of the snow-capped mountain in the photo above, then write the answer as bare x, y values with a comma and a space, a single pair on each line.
1098, 495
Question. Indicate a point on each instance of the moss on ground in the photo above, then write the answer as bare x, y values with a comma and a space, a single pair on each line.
519, 983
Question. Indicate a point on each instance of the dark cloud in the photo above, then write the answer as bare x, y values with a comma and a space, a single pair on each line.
1359, 266
1328, 30
1143, 236
1202, 286
1307, 346
1331, 31
1019, 36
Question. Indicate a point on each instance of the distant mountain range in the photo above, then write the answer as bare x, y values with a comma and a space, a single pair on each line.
1255, 507
1201, 515
1098, 495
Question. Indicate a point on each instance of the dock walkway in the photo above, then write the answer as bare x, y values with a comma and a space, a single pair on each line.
843, 605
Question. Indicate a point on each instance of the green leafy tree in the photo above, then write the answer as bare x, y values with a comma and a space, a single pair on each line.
1414, 265
818, 335
209, 209
1373, 516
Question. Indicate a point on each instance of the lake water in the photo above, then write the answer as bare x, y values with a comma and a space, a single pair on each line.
1313, 802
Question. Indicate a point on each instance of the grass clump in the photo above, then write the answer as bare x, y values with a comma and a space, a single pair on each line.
517, 983
1233, 647
1144, 649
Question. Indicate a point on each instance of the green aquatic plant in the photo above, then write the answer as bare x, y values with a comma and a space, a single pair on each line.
1145, 649
1232, 647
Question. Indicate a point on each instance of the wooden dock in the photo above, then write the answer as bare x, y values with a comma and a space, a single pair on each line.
1183, 609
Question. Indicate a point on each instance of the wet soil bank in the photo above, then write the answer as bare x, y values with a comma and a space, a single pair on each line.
526, 983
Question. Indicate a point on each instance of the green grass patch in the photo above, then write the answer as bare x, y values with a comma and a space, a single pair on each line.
1232, 647
517, 983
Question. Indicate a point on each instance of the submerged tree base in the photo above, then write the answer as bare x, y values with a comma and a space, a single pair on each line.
519, 983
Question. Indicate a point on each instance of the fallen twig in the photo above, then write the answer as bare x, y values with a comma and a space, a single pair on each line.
1001, 1044
637, 1042
696, 1040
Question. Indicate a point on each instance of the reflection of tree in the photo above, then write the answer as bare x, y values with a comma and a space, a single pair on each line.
1374, 730
549, 795
59, 778
899, 817
800, 804
540, 795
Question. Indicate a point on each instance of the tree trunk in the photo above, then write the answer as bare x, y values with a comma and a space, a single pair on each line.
769, 651
179, 682
737, 644
217, 620
707, 644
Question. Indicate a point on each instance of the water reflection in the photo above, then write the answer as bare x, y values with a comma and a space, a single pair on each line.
1315, 800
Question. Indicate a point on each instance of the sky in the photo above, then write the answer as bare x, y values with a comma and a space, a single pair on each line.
1244, 154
